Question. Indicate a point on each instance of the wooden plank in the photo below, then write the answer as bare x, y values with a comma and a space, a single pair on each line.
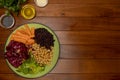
2, 45
77, 10
65, 77
87, 76
87, 66
90, 51
84, 1
73, 24
81, 2
83, 37
88, 37
78, 66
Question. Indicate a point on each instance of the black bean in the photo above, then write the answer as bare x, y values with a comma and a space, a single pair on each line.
44, 38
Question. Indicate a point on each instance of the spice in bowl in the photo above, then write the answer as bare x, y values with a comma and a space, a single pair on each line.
41, 3
7, 21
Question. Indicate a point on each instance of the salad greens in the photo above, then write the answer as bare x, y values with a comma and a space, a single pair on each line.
30, 66
12, 5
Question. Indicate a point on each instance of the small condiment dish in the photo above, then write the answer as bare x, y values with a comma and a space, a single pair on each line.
7, 21
28, 11
41, 3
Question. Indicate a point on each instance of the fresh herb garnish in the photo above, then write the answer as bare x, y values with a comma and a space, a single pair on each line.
12, 5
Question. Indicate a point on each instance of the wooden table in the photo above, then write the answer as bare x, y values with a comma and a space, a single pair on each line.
89, 35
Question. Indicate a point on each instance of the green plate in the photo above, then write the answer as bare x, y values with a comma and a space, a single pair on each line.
55, 54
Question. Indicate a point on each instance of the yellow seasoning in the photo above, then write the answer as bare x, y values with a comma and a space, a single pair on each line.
28, 12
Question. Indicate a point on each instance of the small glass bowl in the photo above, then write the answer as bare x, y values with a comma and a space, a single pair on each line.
28, 11
7, 21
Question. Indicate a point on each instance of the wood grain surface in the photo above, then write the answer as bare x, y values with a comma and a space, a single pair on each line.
89, 35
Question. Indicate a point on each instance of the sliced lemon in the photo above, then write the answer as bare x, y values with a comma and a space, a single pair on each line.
28, 12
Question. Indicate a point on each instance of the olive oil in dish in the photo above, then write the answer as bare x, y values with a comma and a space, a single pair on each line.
28, 11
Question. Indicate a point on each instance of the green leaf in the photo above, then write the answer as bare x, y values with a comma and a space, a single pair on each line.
12, 5
30, 66
22, 1
25, 70
7, 12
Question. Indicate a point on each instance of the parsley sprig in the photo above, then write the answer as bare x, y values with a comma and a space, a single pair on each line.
12, 5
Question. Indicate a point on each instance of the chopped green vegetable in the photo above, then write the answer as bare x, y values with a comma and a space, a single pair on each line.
12, 5
30, 66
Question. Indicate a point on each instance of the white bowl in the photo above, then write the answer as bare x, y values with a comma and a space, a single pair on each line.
41, 3
7, 21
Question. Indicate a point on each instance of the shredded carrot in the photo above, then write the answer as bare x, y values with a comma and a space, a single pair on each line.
30, 41
23, 31
24, 35
20, 40
32, 30
27, 29
20, 37
20, 34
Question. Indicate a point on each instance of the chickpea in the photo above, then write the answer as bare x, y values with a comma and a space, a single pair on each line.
41, 54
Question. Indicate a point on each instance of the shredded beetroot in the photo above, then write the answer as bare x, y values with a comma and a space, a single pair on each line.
16, 53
